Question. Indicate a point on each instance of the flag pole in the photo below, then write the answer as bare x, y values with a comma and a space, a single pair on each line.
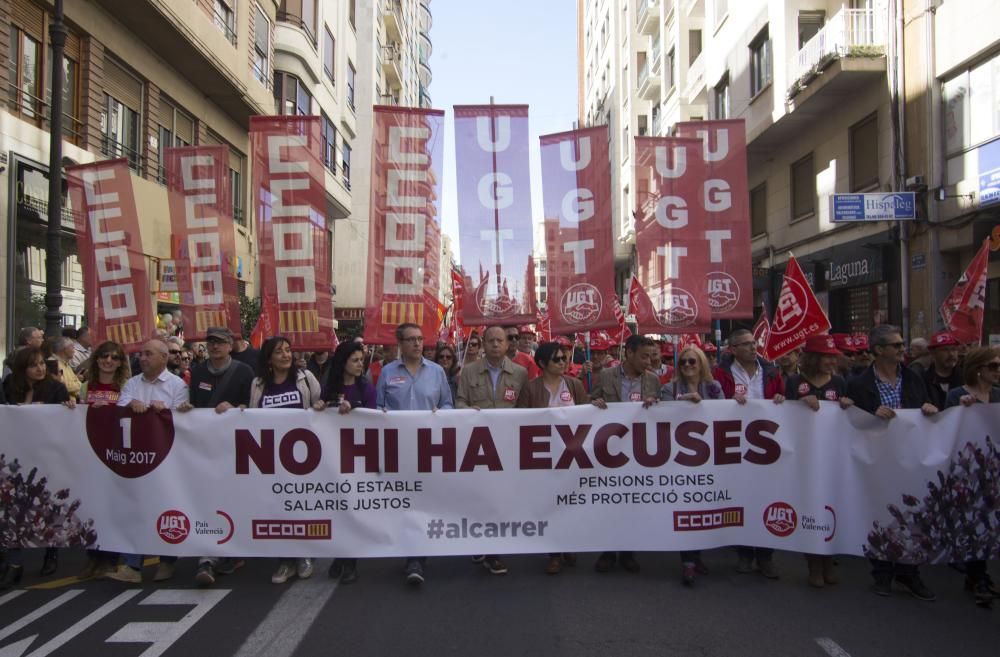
496, 207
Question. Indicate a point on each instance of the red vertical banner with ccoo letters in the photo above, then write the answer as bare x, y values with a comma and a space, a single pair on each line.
293, 241
405, 236
579, 245
119, 303
669, 222
494, 203
201, 219
725, 200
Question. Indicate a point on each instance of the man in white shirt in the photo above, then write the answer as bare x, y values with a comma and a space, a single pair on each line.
159, 390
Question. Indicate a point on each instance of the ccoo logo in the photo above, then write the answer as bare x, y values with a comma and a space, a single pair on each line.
780, 519
173, 526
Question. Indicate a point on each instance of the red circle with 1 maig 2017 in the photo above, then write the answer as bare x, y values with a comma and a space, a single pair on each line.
173, 526
780, 519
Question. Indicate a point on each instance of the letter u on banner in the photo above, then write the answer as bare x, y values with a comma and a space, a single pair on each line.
404, 240
118, 299
578, 236
293, 238
494, 203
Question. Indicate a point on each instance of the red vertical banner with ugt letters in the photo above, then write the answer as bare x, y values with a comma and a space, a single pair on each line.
494, 203
201, 219
119, 304
289, 200
672, 255
727, 222
405, 236
578, 239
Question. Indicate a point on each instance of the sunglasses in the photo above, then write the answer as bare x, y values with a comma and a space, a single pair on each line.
188, 358
174, 352
446, 357
111, 356
512, 337
688, 361
559, 359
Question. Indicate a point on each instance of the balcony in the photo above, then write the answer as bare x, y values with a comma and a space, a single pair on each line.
695, 86
392, 67
392, 18
647, 17
694, 8
425, 19
855, 38
425, 98
649, 84
654, 64
424, 73
425, 46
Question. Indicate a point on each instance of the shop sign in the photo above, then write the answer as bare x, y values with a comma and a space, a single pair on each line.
853, 271
168, 276
918, 262
892, 206
989, 172
349, 314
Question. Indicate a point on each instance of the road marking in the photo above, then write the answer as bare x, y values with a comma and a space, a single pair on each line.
18, 649
831, 648
283, 629
70, 581
17, 625
163, 635
10, 596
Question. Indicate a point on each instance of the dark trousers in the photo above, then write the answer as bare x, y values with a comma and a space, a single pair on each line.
882, 569
690, 556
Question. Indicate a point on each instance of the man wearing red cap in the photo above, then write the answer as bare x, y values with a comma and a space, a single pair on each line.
943, 373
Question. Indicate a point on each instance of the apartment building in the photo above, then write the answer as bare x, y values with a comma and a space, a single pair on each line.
391, 68
138, 76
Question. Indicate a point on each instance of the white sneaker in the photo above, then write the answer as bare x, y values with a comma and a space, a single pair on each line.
304, 568
281, 575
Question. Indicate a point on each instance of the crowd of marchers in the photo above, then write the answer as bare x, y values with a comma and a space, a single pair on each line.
500, 367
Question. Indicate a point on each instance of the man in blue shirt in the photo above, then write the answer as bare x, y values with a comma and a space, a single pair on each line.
412, 383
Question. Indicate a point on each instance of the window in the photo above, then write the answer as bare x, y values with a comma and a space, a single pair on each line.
224, 18
810, 22
972, 106
261, 46
803, 188
328, 57
345, 165
671, 80
176, 129
758, 210
760, 62
237, 165
121, 121
350, 85
352, 13
301, 13
721, 10
721, 98
864, 154
290, 95
694, 45
329, 136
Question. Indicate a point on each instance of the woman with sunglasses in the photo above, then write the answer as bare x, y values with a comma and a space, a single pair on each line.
981, 376
445, 357
184, 365
553, 389
692, 382
473, 349
31, 381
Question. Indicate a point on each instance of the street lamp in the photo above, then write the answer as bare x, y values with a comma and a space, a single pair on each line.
53, 251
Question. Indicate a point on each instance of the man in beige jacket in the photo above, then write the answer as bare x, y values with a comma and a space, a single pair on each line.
491, 382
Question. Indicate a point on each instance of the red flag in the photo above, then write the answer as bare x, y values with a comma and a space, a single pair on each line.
963, 310
201, 218
578, 236
266, 322
727, 222
634, 290
118, 302
672, 253
405, 229
690, 339
761, 332
797, 316
292, 233
621, 332
457, 291
544, 328
494, 201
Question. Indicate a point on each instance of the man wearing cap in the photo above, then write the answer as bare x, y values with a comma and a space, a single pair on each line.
882, 389
943, 373
514, 351
221, 383
600, 344
631, 381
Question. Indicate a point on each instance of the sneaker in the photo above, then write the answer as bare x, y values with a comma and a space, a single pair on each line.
205, 574
630, 564
916, 587
164, 571
687, 574
414, 573
605, 562
767, 568
104, 568
883, 585
229, 565
554, 566
336, 569
284, 571
304, 568
495, 566
126, 574
744, 565
478, 558
350, 574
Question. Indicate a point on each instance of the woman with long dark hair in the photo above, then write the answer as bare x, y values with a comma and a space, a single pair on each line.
446, 358
348, 389
281, 383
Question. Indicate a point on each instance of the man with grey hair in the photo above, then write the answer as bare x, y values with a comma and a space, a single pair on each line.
920, 355
84, 343
64, 350
29, 336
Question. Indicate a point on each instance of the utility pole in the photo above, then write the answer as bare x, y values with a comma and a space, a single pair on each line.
53, 250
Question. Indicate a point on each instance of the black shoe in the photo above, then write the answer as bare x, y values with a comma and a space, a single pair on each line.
983, 595
51, 562
916, 587
349, 574
229, 565
630, 564
336, 569
883, 585
605, 562
12, 576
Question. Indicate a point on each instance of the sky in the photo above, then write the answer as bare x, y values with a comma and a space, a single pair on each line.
519, 52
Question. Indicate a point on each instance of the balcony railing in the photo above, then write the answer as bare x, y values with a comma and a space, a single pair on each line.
36, 110
655, 56
647, 16
695, 78
848, 33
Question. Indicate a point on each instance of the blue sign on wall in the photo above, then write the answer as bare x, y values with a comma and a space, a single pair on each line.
989, 172
890, 206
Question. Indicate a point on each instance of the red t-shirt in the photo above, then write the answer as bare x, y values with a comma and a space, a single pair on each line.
106, 392
528, 363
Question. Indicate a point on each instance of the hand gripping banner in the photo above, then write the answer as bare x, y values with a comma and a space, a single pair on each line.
669, 222
494, 203
293, 241
727, 221
578, 239
119, 304
405, 236
201, 219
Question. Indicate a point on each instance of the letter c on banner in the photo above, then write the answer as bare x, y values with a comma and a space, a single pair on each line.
566, 158
717, 202
578, 205
676, 219
679, 166
495, 191
486, 140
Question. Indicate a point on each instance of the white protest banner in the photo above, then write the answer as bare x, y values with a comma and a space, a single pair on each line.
676, 476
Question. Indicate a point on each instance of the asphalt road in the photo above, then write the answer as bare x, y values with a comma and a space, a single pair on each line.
463, 610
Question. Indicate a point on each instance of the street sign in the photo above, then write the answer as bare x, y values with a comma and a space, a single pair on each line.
891, 206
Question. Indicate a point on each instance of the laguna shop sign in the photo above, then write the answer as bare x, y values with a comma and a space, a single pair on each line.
853, 271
